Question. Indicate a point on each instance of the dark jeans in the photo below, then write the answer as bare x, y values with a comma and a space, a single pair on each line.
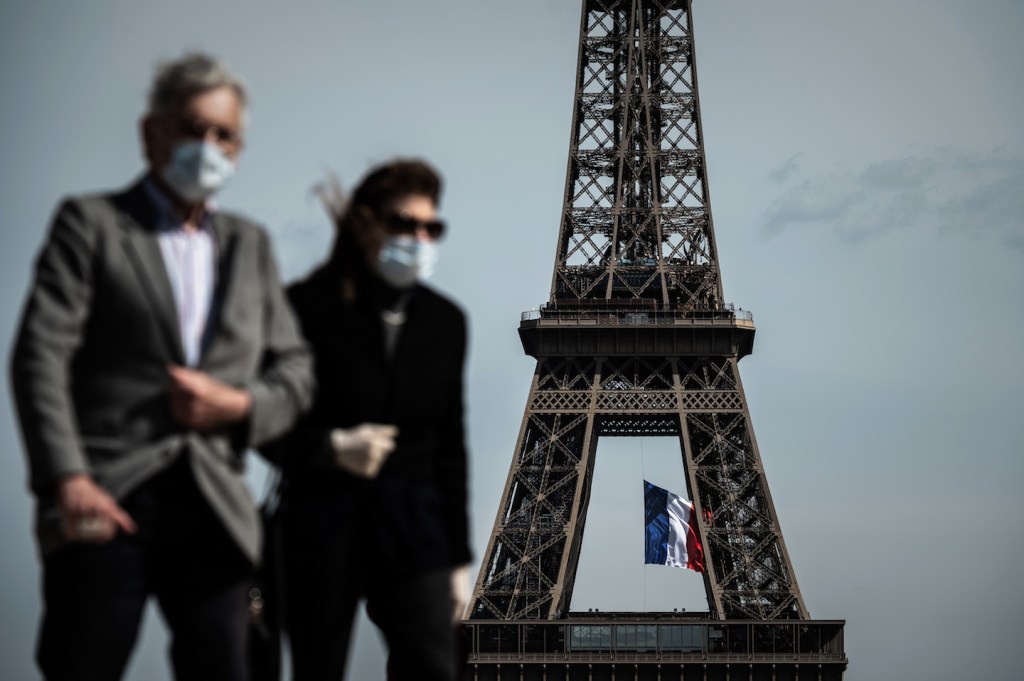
94, 595
413, 614
337, 552
379, 541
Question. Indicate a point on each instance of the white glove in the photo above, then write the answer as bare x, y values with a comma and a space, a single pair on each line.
364, 449
460, 591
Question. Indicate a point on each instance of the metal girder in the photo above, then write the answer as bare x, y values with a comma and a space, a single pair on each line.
534, 550
635, 219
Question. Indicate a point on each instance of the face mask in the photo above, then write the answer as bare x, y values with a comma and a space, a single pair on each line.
197, 169
405, 259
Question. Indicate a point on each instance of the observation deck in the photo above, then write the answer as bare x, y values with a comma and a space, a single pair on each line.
556, 331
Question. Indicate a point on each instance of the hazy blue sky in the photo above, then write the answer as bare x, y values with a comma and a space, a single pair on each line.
866, 171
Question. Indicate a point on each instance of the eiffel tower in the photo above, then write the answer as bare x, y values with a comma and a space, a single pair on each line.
636, 340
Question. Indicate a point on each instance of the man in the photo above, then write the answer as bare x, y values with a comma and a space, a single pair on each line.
156, 346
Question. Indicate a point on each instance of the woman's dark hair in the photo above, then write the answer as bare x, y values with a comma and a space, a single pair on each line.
359, 233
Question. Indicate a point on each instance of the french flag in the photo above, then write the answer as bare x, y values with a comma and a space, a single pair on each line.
671, 530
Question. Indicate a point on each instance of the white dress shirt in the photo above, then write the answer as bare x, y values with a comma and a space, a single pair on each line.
190, 259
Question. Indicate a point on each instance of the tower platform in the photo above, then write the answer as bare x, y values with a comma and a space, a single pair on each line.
724, 332
603, 646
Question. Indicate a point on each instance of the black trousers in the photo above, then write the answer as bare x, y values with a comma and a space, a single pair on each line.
332, 564
94, 595
413, 614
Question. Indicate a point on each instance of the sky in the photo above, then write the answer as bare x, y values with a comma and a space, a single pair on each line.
866, 175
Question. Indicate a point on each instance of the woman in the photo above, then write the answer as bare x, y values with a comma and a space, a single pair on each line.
375, 474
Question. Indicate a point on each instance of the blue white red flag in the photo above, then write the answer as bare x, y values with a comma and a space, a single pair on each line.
671, 530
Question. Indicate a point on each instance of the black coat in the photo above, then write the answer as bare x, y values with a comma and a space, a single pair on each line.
413, 516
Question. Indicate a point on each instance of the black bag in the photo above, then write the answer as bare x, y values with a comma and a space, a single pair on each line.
266, 596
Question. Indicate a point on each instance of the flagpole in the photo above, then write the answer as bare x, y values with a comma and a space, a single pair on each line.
643, 479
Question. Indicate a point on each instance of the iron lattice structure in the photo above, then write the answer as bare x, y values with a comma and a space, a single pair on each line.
636, 340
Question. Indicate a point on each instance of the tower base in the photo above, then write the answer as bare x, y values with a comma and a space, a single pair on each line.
654, 647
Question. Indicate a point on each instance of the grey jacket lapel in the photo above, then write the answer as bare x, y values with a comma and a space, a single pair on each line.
143, 251
226, 238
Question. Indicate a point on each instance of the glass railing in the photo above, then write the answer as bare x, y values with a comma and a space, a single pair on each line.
638, 317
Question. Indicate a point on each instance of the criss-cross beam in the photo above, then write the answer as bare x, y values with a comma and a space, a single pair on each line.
635, 220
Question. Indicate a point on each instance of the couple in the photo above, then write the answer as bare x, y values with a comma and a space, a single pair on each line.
157, 345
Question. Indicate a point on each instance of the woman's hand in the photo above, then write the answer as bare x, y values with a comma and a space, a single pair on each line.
363, 450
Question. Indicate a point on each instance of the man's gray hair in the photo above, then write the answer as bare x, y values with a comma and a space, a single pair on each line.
190, 75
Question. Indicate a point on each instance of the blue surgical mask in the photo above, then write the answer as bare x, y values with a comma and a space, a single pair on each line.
197, 170
404, 260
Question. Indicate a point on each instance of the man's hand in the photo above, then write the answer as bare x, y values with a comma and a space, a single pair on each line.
460, 591
88, 513
201, 402
364, 449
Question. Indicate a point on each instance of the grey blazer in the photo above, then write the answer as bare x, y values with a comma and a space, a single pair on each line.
99, 328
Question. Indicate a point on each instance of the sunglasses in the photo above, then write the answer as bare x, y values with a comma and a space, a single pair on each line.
197, 128
399, 224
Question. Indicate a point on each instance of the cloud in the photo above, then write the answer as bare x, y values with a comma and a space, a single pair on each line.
785, 170
943, 191
994, 206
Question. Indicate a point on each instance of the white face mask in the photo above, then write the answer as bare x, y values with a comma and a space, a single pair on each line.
404, 260
197, 170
